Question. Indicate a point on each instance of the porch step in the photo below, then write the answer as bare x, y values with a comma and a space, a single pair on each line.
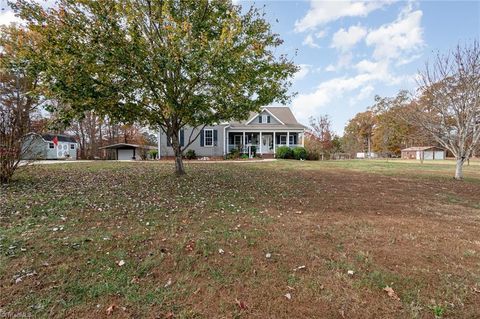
268, 156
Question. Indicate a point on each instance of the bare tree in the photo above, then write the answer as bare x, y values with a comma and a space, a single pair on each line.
449, 106
18, 101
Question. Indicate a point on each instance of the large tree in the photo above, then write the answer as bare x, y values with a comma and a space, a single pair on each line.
449, 105
19, 98
359, 132
165, 63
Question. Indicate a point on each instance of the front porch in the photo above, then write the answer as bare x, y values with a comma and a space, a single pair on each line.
263, 142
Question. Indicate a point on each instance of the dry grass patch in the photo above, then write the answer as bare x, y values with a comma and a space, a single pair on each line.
230, 241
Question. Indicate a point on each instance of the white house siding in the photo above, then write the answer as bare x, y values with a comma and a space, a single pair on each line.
439, 155
201, 151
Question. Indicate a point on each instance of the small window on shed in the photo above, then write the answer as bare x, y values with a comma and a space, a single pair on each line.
51, 145
72, 146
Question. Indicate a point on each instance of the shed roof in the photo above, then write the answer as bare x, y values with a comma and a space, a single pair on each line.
420, 148
61, 137
126, 145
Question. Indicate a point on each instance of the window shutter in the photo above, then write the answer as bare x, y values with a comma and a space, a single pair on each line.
182, 138
215, 137
202, 141
260, 119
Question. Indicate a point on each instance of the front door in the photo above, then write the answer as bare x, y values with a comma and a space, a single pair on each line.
266, 143
237, 140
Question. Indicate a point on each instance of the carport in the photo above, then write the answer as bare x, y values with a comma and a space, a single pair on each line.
129, 152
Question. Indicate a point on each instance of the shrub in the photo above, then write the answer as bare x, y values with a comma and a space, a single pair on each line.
153, 154
234, 154
299, 153
190, 155
284, 152
244, 156
312, 155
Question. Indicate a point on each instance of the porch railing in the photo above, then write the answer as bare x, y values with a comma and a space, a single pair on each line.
257, 146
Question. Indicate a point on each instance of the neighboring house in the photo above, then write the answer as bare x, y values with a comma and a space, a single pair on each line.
124, 151
366, 155
49, 147
424, 152
261, 133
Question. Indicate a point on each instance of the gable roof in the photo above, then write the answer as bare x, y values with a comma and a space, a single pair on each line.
282, 114
61, 138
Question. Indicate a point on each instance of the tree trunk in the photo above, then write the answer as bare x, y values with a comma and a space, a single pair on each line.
459, 169
179, 168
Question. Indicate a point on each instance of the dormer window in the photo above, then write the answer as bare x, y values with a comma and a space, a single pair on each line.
264, 118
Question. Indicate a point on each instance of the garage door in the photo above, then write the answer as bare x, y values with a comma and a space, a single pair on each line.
124, 155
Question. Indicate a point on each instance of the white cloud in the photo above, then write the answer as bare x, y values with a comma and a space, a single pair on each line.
344, 40
402, 36
323, 12
309, 41
344, 61
303, 72
321, 34
309, 104
362, 95
8, 17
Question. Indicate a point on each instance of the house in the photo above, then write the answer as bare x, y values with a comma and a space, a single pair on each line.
124, 151
262, 133
366, 155
49, 147
424, 152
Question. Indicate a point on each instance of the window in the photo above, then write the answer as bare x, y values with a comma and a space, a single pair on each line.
291, 139
51, 145
72, 146
260, 119
268, 118
283, 139
208, 137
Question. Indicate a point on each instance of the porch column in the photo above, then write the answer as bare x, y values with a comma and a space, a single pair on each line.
243, 143
288, 139
274, 143
303, 139
260, 142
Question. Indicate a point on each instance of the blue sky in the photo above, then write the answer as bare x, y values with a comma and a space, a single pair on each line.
349, 51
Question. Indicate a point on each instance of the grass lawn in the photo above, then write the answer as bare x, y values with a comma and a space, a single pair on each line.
284, 239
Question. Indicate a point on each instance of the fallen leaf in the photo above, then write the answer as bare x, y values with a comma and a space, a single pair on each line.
391, 293
268, 255
121, 263
110, 309
221, 251
288, 296
169, 283
350, 272
242, 305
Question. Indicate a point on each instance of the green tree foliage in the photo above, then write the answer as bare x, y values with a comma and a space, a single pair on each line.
359, 132
168, 64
